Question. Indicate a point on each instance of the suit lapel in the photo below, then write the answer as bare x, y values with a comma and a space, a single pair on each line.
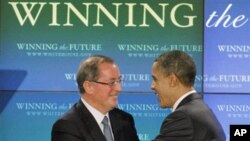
90, 122
115, 124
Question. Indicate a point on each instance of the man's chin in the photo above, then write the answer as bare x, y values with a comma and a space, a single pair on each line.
114, 105
164, 106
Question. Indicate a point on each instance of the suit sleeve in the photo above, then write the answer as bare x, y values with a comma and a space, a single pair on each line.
63, 130
176, 127
134, 132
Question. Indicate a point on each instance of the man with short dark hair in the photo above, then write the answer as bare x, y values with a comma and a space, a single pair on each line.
191, 120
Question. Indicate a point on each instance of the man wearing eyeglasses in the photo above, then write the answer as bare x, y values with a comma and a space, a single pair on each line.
95, 117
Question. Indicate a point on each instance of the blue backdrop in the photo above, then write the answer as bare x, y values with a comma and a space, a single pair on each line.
42, 47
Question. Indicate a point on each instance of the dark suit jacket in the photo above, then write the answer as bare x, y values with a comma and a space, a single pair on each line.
191, 121
78, 124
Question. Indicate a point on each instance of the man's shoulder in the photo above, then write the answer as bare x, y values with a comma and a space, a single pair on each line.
192, 102
71, 113
121, 113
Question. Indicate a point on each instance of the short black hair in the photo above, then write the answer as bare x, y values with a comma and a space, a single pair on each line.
179, 63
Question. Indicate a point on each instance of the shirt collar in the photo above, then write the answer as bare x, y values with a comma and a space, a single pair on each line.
181, 98
96, 114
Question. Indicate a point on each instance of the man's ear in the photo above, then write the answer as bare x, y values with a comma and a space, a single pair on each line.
173, 80
88, 87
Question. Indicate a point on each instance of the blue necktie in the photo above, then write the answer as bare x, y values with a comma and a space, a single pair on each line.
106, 129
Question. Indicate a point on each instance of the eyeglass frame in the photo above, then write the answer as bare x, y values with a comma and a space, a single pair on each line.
111, 83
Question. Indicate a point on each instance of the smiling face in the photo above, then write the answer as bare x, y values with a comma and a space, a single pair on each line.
163, 86
102, 96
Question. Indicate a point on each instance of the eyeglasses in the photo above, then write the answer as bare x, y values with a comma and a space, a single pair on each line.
111, 83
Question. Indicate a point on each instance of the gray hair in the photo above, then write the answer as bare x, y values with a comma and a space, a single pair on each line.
88, 70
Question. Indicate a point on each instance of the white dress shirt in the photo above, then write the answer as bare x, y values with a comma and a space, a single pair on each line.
97, 115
